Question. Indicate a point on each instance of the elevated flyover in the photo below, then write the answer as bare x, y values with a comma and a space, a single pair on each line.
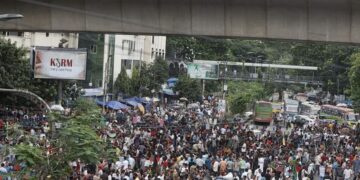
313, 20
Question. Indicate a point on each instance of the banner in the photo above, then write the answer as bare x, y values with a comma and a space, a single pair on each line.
59, 63
203, 71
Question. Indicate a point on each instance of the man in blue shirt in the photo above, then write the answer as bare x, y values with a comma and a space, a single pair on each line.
356, 166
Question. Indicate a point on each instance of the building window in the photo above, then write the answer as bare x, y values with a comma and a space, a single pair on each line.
126, 64
93, 48
152, 40
136, 64
13, 34
20, 34
152, 52
47, 34
5, 33
130, 46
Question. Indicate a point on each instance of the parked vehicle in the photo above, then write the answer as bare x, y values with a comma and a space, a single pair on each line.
263, 112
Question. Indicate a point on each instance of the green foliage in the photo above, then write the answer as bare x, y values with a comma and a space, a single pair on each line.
142, 80
188, 88
354, 76
15, 69
80, 141
333, 60
135, 82
77, 139
16, 72
242, 94
32, 156
122, 83
160, 72
145, 80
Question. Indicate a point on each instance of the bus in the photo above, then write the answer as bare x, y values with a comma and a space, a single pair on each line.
277, 107
341, 112
263, 112
291, 107
309, 108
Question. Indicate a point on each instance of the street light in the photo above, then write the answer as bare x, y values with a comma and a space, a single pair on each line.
6, 17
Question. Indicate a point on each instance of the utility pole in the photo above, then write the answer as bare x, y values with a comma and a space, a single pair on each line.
338, 85
60, 81
203, 87
106, 80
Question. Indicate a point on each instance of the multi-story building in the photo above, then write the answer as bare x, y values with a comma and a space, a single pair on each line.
31, 39
114, 53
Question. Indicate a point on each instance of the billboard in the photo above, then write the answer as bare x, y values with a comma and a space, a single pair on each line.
59, 63
203, 71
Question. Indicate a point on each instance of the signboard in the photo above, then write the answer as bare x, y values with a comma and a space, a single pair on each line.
59, 63
203, 71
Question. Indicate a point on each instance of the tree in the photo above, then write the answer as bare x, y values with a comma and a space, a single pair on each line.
77, 139
16, 72
135, 83
15, 69
145, 79
122, 83
354, 76
242, 94
160, 73
188, 88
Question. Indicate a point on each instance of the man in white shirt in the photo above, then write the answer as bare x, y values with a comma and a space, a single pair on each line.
244, 175
322, 172
216, 167
199, 162
348, 173
3, 169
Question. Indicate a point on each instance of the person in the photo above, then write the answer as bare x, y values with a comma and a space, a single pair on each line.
322, 171
3, 169
356, 166
258, 173
216, 166
268, 175
348, 173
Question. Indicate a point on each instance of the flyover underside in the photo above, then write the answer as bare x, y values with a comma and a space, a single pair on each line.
315, 20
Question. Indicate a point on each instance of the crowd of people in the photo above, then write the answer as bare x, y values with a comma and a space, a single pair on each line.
177, 142
192, 143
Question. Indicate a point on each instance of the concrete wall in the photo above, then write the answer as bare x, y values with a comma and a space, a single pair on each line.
315, 20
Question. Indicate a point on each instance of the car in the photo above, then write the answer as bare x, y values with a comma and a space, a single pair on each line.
302, 120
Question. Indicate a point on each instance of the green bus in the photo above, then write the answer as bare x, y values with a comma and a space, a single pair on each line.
263, 112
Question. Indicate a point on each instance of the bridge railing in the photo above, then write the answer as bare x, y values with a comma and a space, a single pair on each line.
270, 77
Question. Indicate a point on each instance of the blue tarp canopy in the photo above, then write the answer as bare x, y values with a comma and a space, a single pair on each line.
171, 82
136, 99
116, 105
100, 103
169, 92
132, 103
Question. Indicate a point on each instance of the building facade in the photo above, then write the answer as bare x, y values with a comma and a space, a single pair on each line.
109, 54
31, 39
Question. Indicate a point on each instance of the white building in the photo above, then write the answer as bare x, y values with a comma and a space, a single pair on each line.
129, 51
30, 39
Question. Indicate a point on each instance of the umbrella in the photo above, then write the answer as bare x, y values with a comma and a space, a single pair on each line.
132, 103
169, 92
57, 107
116, 105
146, 99
183, 99
141, 108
